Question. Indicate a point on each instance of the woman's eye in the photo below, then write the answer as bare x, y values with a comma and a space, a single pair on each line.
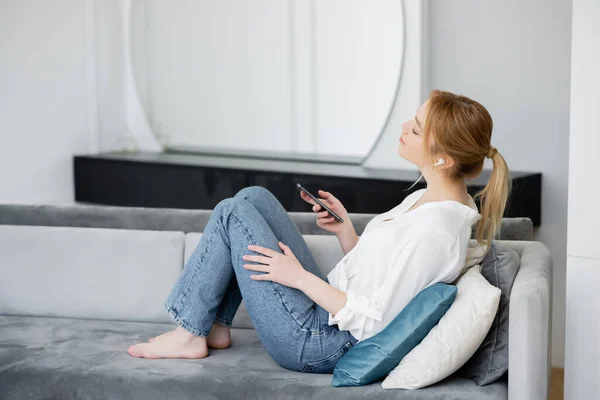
414, 132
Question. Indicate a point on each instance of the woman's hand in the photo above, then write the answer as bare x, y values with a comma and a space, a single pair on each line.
324, 220
281, 268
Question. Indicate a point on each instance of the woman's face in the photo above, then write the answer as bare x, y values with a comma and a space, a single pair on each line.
412, 144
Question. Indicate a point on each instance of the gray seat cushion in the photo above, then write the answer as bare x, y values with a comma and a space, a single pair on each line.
77, 358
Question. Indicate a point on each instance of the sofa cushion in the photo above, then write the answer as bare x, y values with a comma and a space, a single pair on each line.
373, 358
88, 272
326, 252
87, 359
454, 340
490, 361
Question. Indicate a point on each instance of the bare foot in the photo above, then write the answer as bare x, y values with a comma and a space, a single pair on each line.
218, 338
178, 344
163, 336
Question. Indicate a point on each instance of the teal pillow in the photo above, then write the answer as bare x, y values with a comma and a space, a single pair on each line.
373, 358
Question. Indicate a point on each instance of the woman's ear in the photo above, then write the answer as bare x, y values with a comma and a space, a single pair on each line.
448, 162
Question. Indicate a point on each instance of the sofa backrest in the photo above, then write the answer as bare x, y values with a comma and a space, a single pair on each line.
93, 273
170, 219
114, 274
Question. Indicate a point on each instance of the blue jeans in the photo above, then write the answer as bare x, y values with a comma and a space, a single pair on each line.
292, 327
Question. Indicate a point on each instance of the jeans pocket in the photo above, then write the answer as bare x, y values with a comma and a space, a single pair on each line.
326, 365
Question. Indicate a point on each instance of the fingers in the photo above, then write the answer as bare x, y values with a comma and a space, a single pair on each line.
263, 277
258, 259
307, 198
326, 195
324, 221
322, 214
255, 267
318, 206
286, 249
263, 250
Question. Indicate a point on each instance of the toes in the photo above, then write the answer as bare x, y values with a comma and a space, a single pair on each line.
134, 350
138, 350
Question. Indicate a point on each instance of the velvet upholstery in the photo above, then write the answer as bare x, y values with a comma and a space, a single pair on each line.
63, 358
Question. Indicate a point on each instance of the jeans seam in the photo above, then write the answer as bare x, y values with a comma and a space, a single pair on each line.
273, 285
321, 331
185, 292
177, 303
314, 365
184, 324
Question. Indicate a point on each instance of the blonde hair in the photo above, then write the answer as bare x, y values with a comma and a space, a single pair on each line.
462, 129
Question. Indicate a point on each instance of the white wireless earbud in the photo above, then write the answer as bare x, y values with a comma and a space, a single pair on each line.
441, 161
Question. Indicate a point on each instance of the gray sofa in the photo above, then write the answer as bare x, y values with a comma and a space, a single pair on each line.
80, 283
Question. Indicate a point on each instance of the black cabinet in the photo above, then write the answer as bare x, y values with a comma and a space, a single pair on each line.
169, 180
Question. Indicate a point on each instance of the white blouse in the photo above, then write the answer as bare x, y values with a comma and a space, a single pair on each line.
397, 256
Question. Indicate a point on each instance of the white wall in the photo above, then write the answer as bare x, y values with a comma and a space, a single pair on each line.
513, 56
582, 363
43, 98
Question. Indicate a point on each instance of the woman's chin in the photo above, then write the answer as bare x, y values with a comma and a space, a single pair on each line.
401, 152
403, 156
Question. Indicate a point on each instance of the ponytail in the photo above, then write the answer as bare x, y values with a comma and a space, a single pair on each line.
493, 200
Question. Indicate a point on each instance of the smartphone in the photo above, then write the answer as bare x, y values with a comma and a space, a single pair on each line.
319, 202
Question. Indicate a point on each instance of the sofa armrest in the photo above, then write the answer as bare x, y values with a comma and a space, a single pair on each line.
530, 320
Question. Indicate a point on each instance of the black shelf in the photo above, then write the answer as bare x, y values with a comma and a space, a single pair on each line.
201, 181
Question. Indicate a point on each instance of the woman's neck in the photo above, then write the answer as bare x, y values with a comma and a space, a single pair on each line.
440, 188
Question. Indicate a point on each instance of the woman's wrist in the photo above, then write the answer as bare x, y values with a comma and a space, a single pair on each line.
304, 278
348, 239
322, 293
348, 232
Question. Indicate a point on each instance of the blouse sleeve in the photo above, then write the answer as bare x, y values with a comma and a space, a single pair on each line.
418, 262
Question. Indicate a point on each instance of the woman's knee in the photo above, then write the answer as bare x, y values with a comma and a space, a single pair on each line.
256, 193
230, 204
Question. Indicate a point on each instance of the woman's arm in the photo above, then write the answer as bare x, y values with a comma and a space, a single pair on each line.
322, 293
348, 239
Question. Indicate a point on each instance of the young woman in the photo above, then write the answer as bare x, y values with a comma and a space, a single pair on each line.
250, 249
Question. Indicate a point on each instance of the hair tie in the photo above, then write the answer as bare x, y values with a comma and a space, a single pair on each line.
493, 151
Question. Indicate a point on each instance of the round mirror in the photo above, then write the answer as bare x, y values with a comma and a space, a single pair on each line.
305, 77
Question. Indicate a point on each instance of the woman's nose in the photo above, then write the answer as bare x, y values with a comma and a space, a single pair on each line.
404, 126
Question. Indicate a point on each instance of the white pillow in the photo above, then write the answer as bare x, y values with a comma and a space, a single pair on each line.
450, 344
